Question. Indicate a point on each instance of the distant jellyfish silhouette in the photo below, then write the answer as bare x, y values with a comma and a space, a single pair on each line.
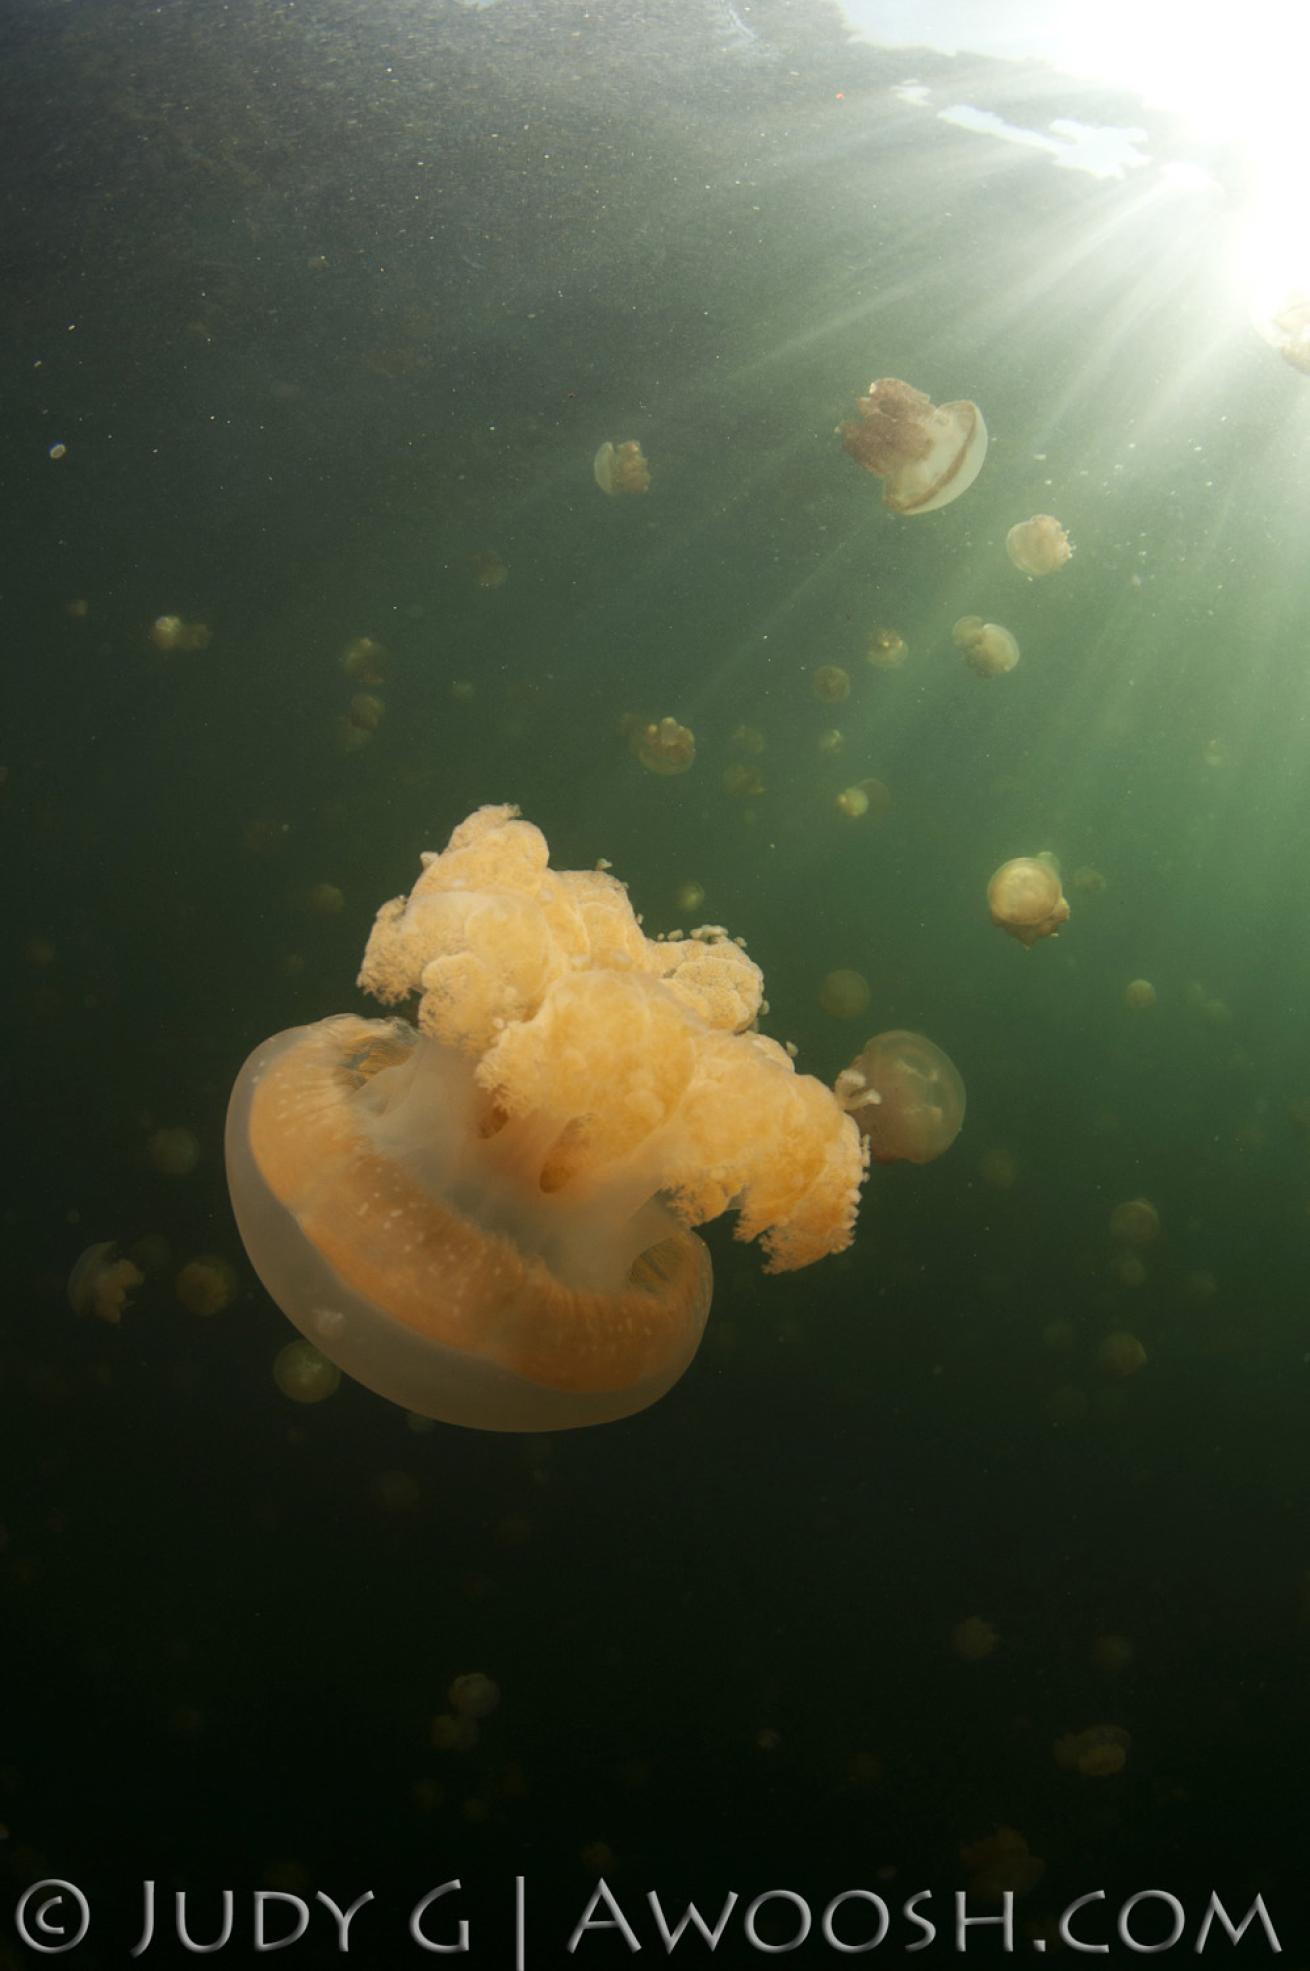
620, 469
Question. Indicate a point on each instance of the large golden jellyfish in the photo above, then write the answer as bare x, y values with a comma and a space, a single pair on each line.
906, 1095
1038, 546
485, 1216
926, 454
621, 468
1026, 899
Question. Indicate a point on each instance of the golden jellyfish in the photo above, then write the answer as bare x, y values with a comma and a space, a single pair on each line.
324, 900
488, 570
877, 796
205, 1286
173, 1152
748, 739
1139, 995
1097, 1753
486, 1216
830, 684
926, 454
171, 633
473, 1695
987, 648
1129, 1270
973, 1639
1121, 1355
906, 1096
853, 802
831, 742
1282, 319
364, 660
689, 897
663, 746
743, 782
999, 1169
303, 1373
1025, 898
844, 994
1111, 1653
357, 725
1087, 882
887, 650
621, 468
1136, 1222
1000, 1865
1038, 546
101, 1281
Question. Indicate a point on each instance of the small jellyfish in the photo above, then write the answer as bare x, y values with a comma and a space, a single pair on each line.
853, 802
1086, 881
926, 454
1136, 1222
473, 1696
743, 782
998, 1169
987, 648
999, 1866
689, 897
1038, 546
364, 661
488, 570
664, 746
324, 900
171, 633
877, 796
1282, 319
831, 742
205, 1286
830, 684
1097, 1753
1111, 1653
1139, 995
621, 468
973, 1639
1121, 1355
174, 1152
1025, 898
101, 1281
1129, 1270
906, 1095
748, 739
303, 1374
887, 650
844, 994
359, 723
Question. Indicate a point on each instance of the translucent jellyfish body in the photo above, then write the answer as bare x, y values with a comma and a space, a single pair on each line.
926, 454
1038, 546
620, 469
486, 1217
989, 649
1025, 898
906, 1095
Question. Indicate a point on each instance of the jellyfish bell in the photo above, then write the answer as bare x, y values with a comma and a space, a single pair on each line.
486, 1216
1026, 899
989, 649
619, 469
926, 454
1280, 316
663, 746
101, 1282
906, 1095
1038, 546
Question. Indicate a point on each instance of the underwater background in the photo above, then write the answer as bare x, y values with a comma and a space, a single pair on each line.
317, 315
